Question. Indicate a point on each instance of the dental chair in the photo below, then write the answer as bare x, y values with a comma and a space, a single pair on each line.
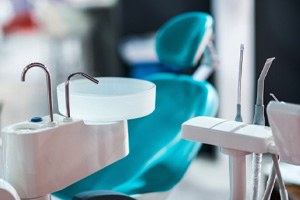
158, 156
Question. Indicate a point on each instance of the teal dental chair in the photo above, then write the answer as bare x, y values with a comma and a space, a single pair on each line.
158, 156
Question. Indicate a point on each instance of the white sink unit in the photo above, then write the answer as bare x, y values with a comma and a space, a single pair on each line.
42, 159
43, 156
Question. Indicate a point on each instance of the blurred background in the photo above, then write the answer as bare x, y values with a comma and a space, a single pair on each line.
116, 38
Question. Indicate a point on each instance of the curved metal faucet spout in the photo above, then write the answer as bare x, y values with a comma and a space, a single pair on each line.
67, 93
48, 76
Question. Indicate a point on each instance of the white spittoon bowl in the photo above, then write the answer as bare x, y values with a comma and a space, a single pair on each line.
112, 99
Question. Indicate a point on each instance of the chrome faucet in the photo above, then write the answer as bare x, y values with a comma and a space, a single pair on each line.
67, 93
48, 76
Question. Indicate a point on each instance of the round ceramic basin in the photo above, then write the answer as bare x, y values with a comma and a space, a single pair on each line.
113, 99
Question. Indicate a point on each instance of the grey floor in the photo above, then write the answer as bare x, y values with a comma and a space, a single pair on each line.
209, 179
205, 179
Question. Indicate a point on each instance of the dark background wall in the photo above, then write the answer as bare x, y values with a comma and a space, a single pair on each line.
278, 35
141, 16
128, 18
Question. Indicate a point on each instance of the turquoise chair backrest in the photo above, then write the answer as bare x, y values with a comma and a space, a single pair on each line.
158, 157
178, 41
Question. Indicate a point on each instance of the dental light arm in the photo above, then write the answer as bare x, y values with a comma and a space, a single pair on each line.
208, 64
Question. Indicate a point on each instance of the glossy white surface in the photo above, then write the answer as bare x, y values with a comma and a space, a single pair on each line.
42, 159
113, 99
7, 192
284, 119
228, 134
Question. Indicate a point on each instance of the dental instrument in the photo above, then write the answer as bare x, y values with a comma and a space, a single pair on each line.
259, 119
237, 159
238, 116
48, 76
67, 94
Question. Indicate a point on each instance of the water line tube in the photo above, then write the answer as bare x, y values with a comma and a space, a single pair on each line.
270, 184
256, 166
282, 189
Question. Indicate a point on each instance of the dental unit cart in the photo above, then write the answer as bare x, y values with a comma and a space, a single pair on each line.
47, 154
238, 139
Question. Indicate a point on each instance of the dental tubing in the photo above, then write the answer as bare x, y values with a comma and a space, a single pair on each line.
256, 166
271, 181
259, 119
282, 189
270, 185
272, 178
